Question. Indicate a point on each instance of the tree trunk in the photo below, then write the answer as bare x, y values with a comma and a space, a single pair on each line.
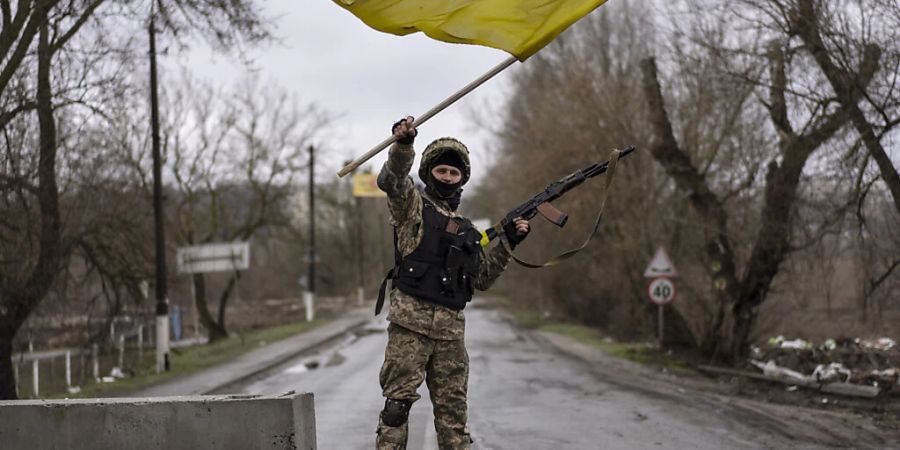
745, 314
7, 376
772, 243
28, 294
712, 340
223, 301
214, 330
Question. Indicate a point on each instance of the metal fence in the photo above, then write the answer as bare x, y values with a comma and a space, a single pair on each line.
61, 371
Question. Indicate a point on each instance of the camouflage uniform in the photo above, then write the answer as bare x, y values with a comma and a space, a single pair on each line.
426, 340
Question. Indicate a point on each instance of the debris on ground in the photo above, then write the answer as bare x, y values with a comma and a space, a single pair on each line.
780, 342
862, 362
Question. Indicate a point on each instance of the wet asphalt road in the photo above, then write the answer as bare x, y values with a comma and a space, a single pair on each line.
522, 395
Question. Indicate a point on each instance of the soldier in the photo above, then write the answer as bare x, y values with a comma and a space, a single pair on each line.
439, 262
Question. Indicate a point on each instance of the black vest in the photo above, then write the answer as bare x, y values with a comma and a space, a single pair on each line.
442, 269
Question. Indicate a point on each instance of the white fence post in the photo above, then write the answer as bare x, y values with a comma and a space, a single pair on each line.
140, 345
16, 377
121, 351
35, 372
94, 351
69, 369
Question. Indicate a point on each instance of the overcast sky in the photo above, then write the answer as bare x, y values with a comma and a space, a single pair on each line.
367, 79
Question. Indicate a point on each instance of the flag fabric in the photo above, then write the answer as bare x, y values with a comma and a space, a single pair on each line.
520, 27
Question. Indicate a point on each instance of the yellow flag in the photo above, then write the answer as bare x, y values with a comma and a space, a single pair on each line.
520, 27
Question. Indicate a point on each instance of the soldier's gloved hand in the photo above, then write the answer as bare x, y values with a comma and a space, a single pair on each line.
516, 231
404, 130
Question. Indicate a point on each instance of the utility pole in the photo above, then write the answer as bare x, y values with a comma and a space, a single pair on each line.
162, 301
359, 253
309, 295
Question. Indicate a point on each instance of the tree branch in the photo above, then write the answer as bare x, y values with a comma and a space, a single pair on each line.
778, 106
678, 166
37, 18
849, 88
82, 19
12, 29
874, 284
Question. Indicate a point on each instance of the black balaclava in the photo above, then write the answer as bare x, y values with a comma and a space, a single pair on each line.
451, 193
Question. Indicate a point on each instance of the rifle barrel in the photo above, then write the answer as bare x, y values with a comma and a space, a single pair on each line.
588, 172
597, 169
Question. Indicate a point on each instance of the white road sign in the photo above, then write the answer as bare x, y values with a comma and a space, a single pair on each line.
661, 290
219, 257
660, 265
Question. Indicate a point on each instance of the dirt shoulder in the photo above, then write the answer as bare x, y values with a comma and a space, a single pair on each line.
751, 402
806, 417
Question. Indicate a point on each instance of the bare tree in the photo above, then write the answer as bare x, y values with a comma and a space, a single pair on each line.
804, 121
37, 48
757, 162
234, 156
571, 104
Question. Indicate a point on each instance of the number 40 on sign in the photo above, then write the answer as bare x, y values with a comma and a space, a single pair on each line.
661, 290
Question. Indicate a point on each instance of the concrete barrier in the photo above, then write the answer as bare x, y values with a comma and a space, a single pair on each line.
175, 423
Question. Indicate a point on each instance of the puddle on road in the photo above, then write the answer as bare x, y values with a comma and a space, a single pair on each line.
523, 360
299, 368
331, 356
303, 367
335, 360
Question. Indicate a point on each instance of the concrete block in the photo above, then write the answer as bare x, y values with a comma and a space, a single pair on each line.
237, 422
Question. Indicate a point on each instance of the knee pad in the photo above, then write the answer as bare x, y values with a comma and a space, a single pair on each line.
395, 412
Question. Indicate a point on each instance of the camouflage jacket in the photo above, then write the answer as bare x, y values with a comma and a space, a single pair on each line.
405, 204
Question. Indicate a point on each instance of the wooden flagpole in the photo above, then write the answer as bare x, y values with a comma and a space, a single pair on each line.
429, 114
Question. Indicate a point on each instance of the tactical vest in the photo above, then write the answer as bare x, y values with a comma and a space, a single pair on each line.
443, 268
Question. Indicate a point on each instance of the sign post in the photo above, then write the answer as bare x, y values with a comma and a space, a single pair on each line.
661, 288
207, 258
365, 185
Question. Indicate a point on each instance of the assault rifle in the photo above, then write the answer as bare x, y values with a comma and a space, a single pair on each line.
540, 204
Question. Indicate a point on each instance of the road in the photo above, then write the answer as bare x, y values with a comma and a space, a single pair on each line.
523, 394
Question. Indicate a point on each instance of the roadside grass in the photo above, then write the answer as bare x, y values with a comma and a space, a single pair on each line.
188, 360
638, 352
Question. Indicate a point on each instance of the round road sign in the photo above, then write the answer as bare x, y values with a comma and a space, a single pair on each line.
661, 290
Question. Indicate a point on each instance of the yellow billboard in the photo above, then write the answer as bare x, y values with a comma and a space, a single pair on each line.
364, 185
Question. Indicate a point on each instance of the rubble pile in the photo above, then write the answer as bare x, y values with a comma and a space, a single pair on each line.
870, 362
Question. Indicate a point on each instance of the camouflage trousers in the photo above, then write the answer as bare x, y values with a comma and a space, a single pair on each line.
411, 358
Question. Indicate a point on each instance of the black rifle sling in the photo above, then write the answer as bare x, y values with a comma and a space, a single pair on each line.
613, 161
389, 276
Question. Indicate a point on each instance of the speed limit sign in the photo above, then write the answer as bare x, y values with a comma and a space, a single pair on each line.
661, 290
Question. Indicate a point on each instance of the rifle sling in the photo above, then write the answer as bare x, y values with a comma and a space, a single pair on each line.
613, 161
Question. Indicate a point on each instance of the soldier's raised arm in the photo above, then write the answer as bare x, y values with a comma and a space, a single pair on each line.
394, 177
